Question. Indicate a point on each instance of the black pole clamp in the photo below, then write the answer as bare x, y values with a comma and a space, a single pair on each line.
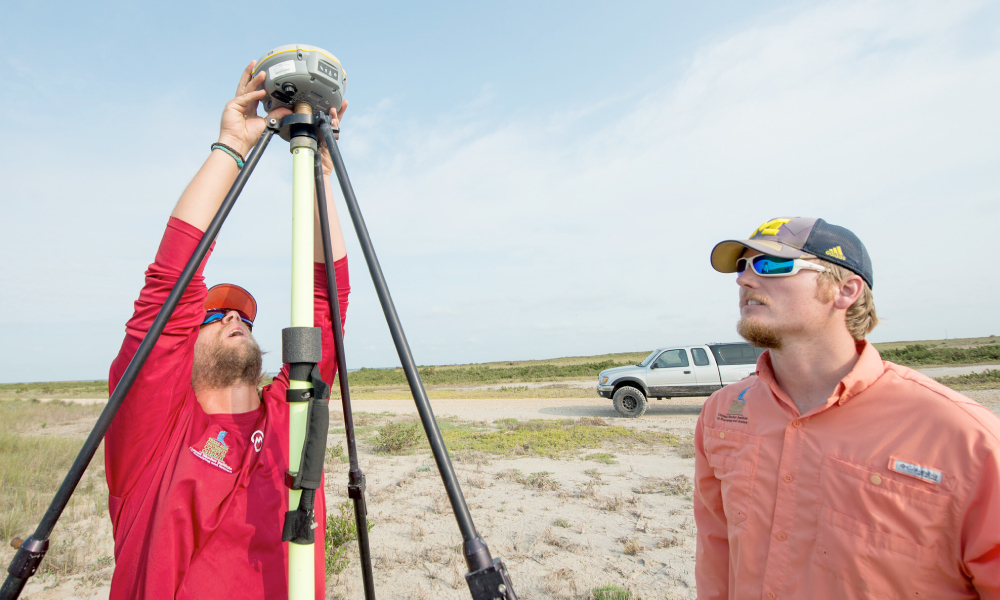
356, 484
28, 557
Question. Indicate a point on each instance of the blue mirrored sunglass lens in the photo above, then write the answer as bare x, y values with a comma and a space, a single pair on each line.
217, 315
769, 265
212, 318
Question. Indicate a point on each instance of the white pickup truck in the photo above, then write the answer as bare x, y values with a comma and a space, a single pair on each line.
677, 371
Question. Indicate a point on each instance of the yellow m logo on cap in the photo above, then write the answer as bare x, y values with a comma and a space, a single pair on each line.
770, 228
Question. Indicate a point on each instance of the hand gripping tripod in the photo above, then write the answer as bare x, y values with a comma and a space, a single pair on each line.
307, 394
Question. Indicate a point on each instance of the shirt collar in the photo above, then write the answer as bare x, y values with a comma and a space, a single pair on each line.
868, 368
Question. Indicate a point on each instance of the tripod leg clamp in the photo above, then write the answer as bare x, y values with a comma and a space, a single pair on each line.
491, 583
29, 556
356, 484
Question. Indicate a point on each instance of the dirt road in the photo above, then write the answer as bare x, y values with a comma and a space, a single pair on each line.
672, 413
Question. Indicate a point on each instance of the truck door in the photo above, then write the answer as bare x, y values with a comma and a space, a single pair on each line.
705, 369
671, 374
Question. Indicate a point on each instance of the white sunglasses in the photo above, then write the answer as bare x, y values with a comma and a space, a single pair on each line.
772, 266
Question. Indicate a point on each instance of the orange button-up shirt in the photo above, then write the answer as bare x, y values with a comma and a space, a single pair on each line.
889, 490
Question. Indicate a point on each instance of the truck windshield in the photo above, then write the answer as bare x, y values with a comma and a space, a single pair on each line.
648, 359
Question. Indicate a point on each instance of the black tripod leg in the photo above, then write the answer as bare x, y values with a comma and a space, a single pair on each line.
487, 578
30, 554
356, 479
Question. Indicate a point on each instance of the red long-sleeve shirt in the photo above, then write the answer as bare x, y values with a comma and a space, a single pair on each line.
197, 501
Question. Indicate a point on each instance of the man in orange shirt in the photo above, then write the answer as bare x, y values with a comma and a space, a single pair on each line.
832, 473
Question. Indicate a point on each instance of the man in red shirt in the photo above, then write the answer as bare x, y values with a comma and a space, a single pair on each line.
196, 455
832, 474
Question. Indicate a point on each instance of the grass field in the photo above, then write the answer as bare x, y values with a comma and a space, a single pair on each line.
519, 379
38, 443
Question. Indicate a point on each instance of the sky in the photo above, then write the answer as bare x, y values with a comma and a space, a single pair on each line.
538, 179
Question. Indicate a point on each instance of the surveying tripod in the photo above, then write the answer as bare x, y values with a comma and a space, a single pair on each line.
306, 79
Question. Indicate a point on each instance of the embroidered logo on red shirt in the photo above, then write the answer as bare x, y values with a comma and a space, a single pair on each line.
258, 440
214, 452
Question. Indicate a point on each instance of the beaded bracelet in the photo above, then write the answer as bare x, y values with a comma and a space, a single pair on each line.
231, 152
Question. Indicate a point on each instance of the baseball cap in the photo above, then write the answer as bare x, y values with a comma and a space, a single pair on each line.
799, 237
228, 295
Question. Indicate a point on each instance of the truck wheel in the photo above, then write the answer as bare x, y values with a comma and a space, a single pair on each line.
630, 402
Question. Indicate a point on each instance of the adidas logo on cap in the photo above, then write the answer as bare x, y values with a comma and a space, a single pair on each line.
837, 253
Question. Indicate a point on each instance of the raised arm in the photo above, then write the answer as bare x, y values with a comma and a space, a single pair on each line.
239, 130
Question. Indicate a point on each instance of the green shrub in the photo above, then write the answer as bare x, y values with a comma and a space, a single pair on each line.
341, 530
393, 438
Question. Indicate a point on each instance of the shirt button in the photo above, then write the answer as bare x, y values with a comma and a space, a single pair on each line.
781, 536
722, 435
788, 478
771, 595
797, 424
876, 480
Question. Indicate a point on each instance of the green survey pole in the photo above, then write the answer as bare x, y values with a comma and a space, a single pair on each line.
301, 557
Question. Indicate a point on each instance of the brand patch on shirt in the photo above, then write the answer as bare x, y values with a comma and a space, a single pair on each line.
214, 452
258, 439
913, 470
735, 414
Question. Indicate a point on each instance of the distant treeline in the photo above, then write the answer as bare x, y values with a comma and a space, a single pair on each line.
918, 355
482, 375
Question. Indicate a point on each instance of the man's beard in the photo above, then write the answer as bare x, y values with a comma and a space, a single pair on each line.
221, 365
758, 334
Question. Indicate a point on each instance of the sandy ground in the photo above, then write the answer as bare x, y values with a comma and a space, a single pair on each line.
557, 543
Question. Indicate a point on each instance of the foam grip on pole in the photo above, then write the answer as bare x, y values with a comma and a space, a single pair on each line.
301, 345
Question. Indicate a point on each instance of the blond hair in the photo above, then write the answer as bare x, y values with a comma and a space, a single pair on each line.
861, 317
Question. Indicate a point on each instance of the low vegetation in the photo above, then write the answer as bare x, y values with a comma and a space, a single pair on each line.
396, 438
548, 437
987, 380
37, 446
920, 355
54, 389
602, 457
612, 591
484, 374
550, 378
341, 530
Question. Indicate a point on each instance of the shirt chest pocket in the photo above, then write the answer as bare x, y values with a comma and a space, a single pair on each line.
880, 534
733, 458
